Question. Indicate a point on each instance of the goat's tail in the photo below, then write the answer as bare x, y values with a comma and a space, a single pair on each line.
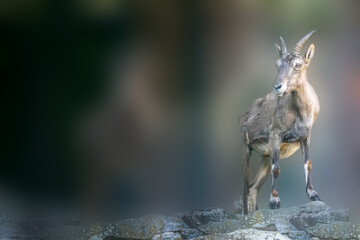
246, 171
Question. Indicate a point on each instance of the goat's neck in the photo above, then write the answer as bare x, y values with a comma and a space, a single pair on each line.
303, 98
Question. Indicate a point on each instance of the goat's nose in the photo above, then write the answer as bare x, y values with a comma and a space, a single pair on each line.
277, 86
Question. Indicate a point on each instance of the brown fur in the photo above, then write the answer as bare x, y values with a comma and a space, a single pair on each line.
280, 123
309, 165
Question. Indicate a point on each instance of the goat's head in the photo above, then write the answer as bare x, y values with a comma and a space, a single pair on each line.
292, 66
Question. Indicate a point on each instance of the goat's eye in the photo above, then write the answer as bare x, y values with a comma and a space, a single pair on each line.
298, 66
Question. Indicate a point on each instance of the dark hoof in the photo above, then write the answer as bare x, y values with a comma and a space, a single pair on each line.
313, 195
274, 203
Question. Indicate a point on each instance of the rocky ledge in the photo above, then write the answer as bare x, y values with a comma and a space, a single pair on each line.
314, 220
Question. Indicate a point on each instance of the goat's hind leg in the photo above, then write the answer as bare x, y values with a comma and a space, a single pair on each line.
257, 182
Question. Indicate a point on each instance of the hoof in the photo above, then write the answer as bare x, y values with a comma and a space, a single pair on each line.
313, 195
274, 202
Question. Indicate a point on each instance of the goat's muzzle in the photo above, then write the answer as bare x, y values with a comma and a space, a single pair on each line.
280, 89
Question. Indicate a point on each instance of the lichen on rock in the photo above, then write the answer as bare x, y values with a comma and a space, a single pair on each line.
314, 220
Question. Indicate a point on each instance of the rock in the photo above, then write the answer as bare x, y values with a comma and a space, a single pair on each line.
35, 223
10, 229
197, 218
313, 213
95, 237
335, 230
299, 235
141, 228
265, 227
238, 205
314, 220
245, 234
289, 222
189, 233
172, 224
221, 227
167, 236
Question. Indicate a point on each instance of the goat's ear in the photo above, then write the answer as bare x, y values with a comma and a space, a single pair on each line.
310, 53
278, 49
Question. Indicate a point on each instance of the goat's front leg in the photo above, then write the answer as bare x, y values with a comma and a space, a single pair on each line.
274, 142
312, 194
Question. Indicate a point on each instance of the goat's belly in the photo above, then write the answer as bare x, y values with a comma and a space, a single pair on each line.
286, 149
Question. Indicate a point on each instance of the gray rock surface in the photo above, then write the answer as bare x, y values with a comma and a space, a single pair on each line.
315, 213
314, 220
245, 234
335, 230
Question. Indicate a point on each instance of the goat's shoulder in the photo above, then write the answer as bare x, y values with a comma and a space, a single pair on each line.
256, 119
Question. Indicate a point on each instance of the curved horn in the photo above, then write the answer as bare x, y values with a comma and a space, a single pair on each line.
283, 46
300, 44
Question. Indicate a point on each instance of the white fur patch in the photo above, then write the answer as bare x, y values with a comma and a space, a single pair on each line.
306, 172
272, 198
314, 105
